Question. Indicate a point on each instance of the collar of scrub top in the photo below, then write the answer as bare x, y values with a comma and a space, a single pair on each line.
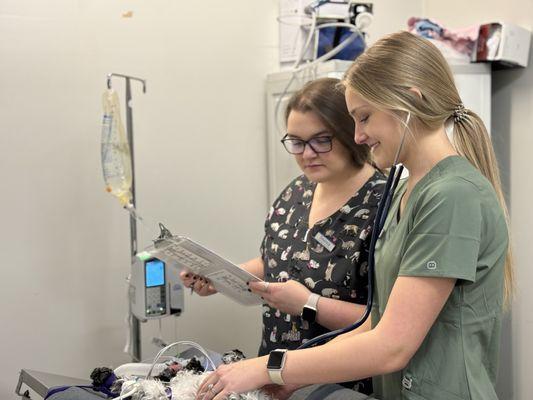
379, 221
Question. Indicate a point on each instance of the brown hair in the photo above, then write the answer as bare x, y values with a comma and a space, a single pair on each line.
398, 62
324, 98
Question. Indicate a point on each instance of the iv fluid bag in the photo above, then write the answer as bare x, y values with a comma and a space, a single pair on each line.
116, 158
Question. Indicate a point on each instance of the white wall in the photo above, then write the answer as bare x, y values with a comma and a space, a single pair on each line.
199, 134
391, 16
512, 119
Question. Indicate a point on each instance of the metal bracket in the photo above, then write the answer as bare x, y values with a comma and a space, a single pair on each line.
111, 75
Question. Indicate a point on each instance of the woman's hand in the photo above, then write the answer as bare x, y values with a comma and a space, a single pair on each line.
235, 378
288, 297
202, 286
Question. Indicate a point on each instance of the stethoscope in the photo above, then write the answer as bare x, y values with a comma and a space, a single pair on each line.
393, 179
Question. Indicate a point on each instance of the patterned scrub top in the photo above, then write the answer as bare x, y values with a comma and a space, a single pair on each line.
330, 259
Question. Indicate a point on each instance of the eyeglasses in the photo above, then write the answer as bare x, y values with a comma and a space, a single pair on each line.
319, 144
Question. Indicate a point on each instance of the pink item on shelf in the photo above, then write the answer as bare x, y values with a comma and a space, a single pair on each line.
462, 40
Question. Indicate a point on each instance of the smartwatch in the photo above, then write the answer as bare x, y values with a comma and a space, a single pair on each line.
310, 309
275, 364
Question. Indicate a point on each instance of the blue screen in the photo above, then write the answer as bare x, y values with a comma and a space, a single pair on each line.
155, 273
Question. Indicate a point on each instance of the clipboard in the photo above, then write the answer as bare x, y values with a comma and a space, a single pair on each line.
227, 277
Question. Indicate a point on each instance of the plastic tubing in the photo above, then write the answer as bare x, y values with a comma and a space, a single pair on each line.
185, 342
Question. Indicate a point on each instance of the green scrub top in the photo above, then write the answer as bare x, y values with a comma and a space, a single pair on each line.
451, 227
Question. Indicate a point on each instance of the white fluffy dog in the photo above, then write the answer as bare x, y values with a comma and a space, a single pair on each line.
183, 386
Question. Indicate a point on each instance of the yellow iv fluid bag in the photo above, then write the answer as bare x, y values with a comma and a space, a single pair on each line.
115, 149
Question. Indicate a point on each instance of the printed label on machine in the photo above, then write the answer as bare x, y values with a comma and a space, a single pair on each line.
228, 278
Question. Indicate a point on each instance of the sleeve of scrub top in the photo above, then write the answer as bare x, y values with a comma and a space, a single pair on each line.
444, 238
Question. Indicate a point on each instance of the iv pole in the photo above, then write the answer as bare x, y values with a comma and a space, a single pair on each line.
135, 324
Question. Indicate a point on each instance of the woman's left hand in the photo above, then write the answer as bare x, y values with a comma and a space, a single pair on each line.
235, 378
288, 297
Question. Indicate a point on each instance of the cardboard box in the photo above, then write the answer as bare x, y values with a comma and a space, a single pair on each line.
503, 43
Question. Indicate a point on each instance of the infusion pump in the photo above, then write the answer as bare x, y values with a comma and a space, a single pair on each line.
156, 290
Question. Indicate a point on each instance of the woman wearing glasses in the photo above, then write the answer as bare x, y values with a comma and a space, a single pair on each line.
314, 253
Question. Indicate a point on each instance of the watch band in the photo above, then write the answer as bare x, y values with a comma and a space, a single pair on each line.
275, 376
275, 364
312, 301
309, 311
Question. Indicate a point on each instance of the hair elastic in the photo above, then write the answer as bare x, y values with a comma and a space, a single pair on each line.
459, 113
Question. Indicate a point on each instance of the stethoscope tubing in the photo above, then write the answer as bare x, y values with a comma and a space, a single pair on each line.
379, 221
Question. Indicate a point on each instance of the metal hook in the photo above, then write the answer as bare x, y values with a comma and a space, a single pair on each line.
127, 77
163, 235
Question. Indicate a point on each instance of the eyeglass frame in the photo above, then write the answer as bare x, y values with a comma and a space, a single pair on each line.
308, 142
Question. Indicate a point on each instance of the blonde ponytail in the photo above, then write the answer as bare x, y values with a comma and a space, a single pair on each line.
471, 140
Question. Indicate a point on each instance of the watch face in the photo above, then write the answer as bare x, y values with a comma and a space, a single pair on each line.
275, 359
308, 314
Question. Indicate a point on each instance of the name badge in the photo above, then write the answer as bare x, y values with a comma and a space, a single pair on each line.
324, 241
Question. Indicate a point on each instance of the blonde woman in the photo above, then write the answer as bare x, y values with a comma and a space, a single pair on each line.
443, 268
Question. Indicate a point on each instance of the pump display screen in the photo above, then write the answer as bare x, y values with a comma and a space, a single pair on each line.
155, 273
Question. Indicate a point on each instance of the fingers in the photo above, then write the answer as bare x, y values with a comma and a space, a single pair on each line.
209, 393
216, 389
256, 287
197, 283
266, 290
211, 388
261, 288
207, 289
186, 277
203, 286
217, 386
269, 291
221, 396
206, 385
225, 395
